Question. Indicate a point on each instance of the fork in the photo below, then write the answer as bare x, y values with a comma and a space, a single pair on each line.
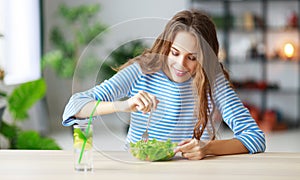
145, 135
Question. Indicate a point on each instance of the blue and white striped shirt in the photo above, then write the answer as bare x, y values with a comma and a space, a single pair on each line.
174, 117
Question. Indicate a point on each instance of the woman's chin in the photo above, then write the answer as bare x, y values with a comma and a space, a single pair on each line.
180, 79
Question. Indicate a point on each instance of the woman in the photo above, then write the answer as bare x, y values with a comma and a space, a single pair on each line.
180, 80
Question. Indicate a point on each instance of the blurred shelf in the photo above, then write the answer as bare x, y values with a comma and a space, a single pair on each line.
259, 60
284, 61
285, 91
280, 29
253, 31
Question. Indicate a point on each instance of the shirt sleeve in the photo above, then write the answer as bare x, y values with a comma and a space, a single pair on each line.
237, 117
117, 87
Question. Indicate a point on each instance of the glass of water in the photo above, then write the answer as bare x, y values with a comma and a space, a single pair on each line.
83, 147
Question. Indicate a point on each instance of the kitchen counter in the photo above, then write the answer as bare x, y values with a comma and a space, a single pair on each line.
56, 165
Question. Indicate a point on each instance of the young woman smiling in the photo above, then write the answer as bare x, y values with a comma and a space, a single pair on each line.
180, 79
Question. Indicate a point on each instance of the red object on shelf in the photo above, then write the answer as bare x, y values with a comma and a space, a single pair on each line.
262, 85
269, 121
254, 112
293, 20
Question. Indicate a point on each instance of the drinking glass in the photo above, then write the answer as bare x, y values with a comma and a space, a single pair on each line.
83, 147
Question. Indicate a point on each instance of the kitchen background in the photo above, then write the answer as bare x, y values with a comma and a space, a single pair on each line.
259, 42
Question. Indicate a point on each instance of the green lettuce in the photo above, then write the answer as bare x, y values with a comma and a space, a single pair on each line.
153, 150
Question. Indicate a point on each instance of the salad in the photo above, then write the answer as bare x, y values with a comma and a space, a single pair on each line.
153, 150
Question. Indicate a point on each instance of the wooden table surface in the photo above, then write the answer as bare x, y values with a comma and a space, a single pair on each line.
56, 165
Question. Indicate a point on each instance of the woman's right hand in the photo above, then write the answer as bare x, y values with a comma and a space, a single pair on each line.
142, 101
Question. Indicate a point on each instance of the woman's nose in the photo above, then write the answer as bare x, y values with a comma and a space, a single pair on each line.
182, 61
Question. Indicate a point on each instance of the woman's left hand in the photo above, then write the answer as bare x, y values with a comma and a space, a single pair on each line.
191, 149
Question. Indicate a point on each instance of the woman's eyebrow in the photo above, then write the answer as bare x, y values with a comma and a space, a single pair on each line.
174, 48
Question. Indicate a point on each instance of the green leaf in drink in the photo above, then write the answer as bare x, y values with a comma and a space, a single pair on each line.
80, 137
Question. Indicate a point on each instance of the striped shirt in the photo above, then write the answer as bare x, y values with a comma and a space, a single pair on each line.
174, 117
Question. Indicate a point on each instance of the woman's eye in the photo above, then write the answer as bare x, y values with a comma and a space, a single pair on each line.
174, 53
192, 58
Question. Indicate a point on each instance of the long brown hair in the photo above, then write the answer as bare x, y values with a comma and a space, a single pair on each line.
154, 59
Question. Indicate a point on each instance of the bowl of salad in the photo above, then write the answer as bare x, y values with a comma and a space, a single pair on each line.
153, 150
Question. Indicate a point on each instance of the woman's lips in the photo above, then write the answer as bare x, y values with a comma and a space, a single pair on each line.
179, 73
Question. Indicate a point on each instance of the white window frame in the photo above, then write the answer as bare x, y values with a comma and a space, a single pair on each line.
22, 39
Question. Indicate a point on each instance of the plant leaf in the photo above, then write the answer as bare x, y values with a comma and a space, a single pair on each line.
24, 96
9, 131
53, 59
32, 140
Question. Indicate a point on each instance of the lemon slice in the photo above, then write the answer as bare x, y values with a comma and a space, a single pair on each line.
79, 138
78, 143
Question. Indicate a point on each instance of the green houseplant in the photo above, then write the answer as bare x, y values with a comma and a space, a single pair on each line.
19, 102
79, 28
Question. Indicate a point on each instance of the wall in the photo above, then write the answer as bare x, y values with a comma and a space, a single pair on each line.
1, 32
115, 13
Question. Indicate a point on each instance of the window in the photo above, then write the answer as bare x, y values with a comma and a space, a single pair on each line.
22, 50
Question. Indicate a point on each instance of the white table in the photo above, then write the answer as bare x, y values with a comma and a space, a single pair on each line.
57, 165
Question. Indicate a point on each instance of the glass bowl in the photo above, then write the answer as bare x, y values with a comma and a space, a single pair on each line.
153, 150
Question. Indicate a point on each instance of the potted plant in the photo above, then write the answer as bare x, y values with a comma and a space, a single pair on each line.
22, 98
79, 28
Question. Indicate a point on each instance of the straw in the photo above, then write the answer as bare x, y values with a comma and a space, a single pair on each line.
87, 131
